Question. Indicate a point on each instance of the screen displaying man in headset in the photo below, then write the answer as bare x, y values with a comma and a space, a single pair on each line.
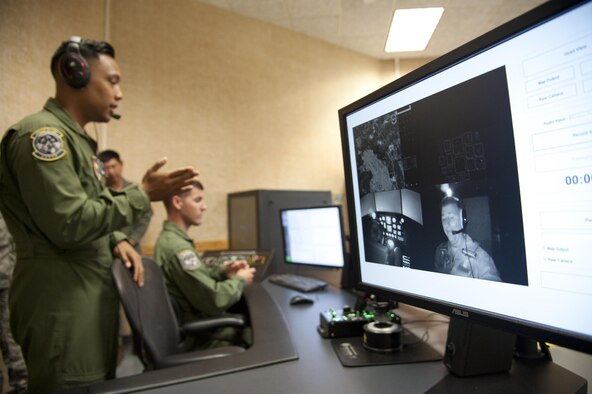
460, 255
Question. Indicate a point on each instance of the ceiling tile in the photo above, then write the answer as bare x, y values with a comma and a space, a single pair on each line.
362, 25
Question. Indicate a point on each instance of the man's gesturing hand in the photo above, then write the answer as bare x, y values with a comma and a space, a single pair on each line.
160, 185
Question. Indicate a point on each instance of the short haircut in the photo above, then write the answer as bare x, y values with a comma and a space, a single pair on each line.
451, 200
168, 201
107, 155
88, 49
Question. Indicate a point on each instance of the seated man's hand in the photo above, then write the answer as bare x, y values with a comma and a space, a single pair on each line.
160, 185
247, 274
131, 258
231, 267
240, 268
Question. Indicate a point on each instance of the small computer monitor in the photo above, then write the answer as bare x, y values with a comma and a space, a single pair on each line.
313, 236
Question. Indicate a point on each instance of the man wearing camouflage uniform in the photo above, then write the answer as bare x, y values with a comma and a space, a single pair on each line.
11, 352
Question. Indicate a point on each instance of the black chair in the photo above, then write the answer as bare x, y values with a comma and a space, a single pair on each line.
161, 341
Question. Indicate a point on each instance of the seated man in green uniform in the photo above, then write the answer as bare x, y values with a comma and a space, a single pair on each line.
198, 290
63, 302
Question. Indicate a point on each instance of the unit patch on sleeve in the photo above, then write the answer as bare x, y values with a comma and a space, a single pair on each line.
48, 144
189, 260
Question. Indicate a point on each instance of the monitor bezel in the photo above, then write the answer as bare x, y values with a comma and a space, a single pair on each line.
519, 25
307, 264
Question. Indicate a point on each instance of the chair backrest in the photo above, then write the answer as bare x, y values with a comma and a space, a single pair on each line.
148, 310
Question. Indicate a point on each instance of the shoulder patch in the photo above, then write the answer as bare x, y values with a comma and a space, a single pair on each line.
48, 144
189, 260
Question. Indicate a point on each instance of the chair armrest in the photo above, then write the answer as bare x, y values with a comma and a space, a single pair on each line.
198, 326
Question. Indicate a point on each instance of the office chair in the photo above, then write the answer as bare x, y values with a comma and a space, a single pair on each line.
161, 341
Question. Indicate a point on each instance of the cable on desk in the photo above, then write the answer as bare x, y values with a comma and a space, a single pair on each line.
426, 334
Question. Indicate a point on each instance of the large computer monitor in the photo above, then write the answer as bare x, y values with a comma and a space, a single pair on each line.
469, 180
313, 236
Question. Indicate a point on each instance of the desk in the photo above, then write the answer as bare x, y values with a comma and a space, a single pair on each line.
317, 368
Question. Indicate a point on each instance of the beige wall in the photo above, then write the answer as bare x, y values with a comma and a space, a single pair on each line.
251, 105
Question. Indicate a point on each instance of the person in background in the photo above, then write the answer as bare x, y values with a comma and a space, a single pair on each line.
11, 352
198, 290
113, 168
63, 302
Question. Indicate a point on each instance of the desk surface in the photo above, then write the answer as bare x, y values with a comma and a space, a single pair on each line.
318, 369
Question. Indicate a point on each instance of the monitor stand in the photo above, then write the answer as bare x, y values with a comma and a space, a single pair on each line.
484, 360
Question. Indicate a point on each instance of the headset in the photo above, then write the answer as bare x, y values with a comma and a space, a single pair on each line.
463, 213
73, 66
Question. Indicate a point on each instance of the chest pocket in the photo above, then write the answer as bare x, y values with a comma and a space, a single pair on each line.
86, 164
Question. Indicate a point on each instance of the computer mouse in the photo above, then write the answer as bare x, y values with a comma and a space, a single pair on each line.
300, 300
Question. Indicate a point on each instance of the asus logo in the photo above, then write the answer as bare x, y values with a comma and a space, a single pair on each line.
458, 312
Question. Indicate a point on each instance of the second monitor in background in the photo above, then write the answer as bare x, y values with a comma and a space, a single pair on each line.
314, 237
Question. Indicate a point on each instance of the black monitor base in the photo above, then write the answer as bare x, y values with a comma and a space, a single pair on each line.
539, 377
351, 352
486, 360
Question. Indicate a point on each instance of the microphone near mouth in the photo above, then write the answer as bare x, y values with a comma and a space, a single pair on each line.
116, 116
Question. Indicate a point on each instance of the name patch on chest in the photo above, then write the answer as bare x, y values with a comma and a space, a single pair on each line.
189, 260
48, 144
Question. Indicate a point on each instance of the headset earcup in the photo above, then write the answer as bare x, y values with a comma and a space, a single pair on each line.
74, 68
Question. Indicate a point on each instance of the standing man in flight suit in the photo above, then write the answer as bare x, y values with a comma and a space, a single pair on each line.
63, 303
198, 290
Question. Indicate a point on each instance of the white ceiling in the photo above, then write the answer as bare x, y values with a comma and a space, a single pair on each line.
362, 25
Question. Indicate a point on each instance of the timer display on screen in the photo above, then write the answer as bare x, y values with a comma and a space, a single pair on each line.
577, 179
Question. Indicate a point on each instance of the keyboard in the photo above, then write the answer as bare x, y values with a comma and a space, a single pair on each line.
304, 284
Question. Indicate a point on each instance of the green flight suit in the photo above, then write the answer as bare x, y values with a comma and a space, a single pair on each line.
64, 306
135, 231
199, 291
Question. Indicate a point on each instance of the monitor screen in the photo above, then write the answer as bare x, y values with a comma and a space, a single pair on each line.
313, 236
469, 180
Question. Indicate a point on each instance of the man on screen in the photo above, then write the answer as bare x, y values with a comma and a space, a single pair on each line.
460, 255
